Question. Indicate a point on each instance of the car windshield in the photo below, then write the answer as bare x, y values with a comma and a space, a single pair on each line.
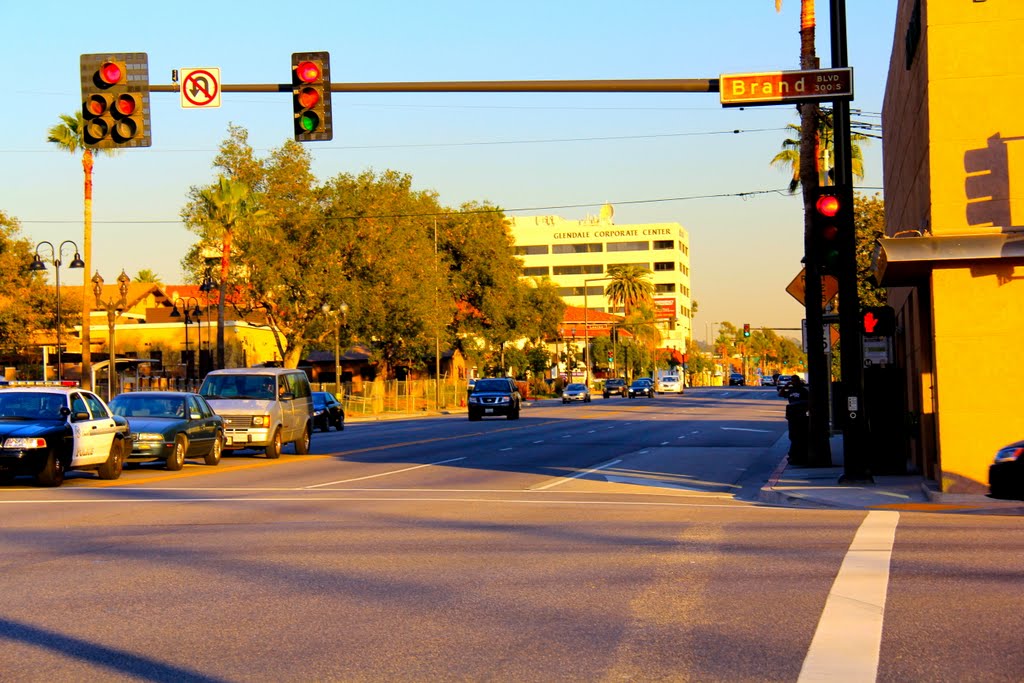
319, 399
259, 387
575, 387
127, 405
24, 405
484, 385
639, 383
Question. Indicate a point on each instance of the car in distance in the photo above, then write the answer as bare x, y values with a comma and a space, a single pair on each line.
642, 386
576, 392
614, 387
494, 396
767, 381
48, 431
171, 426
669, 383
327, 412
736, 379
782, 383
1006, 473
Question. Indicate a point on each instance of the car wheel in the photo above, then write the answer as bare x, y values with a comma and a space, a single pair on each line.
339, 424
52, 471
112, 468
273, 449
302, 445
473, 417
176, 460
564, 401
586, 400
216, 450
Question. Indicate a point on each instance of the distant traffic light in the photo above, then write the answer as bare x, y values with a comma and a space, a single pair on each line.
311, 96
746, 329
831, 217
611, 358
115, 100
878, 321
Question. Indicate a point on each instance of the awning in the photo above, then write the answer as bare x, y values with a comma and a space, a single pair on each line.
906, 261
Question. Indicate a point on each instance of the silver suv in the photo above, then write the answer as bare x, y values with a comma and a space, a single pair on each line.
262, 408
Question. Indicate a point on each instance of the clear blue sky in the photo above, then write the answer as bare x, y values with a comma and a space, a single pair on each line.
657, 157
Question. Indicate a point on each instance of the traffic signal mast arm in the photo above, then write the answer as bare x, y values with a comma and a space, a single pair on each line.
604, 85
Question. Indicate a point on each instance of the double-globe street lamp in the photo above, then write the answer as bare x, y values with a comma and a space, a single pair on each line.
56, 258
586, 324
113, 307
195, 315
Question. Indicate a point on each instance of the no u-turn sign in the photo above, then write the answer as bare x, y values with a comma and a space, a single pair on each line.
200, 87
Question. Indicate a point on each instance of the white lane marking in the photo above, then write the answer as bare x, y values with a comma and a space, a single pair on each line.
591, 431
504, 449
848, 640
744, 429
567, 436
664, 443
384, 474
541, 441
562, 480
681, 437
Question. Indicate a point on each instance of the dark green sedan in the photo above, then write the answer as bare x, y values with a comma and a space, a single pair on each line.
171, 426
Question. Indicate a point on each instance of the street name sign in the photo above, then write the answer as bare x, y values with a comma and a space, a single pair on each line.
783, 87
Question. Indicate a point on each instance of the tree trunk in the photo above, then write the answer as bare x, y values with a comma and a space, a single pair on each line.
225, 260
86, 278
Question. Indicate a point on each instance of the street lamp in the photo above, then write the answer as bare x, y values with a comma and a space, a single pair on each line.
343, 308
586, 325
56, 257
206, 287
113, 308
190, 317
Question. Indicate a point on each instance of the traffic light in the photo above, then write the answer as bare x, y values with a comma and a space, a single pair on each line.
115, 100
878, 321
831, 218
611, 358
311, 96
746, 329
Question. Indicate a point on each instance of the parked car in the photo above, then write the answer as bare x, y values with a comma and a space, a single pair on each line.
1006, 473
576, 392
327, 412
495, 396
767, 381
48, 431
736, 379
781, 383
614, 387
262, 408
642, 386
171, 426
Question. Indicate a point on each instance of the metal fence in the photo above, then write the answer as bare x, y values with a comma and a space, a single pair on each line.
393, 396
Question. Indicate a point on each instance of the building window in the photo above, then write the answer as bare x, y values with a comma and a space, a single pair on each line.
665, 288
620, 265
531, 250
592, 269
664, 244
664, 265
578, 291
579, 248
536, 271
629, 246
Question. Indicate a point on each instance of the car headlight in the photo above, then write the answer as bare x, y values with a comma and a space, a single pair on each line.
260, 420
502, 399
1009, 454
318, 412
474, 399
22, 443
148, 436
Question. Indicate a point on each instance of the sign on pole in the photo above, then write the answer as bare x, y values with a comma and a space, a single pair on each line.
798, 288
782, 87
200, 87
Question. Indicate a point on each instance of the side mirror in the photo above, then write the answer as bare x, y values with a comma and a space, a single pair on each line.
287, 396
194, 416
80, 416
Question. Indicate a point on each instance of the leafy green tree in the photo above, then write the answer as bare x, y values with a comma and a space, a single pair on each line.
26, 303
147, 275
869, 222
68, 137
631, 285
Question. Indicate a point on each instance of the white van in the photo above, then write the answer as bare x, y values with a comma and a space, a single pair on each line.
262, 408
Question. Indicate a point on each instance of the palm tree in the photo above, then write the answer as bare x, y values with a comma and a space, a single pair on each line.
825, 146
68, 136
629, 286
147, 275
225, 204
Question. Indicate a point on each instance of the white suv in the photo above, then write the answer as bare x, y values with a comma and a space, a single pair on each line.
670, 384
262, 408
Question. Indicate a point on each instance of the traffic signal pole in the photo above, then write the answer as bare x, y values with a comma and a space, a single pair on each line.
855, 466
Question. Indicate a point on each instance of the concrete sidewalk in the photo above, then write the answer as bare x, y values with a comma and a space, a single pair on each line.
820, 487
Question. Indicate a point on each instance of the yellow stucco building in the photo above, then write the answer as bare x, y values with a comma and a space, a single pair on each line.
953, 256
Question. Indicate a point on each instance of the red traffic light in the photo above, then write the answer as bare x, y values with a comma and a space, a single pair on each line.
126, 104
827, 205
111, 73
307, 72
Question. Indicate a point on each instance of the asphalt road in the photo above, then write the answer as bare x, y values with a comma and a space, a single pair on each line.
616, 540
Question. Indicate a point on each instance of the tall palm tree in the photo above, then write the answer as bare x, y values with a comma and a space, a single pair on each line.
148, 276
630, 286
224, 205
825, 150
68, 136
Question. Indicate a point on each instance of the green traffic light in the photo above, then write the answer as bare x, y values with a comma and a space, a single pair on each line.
309, 122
